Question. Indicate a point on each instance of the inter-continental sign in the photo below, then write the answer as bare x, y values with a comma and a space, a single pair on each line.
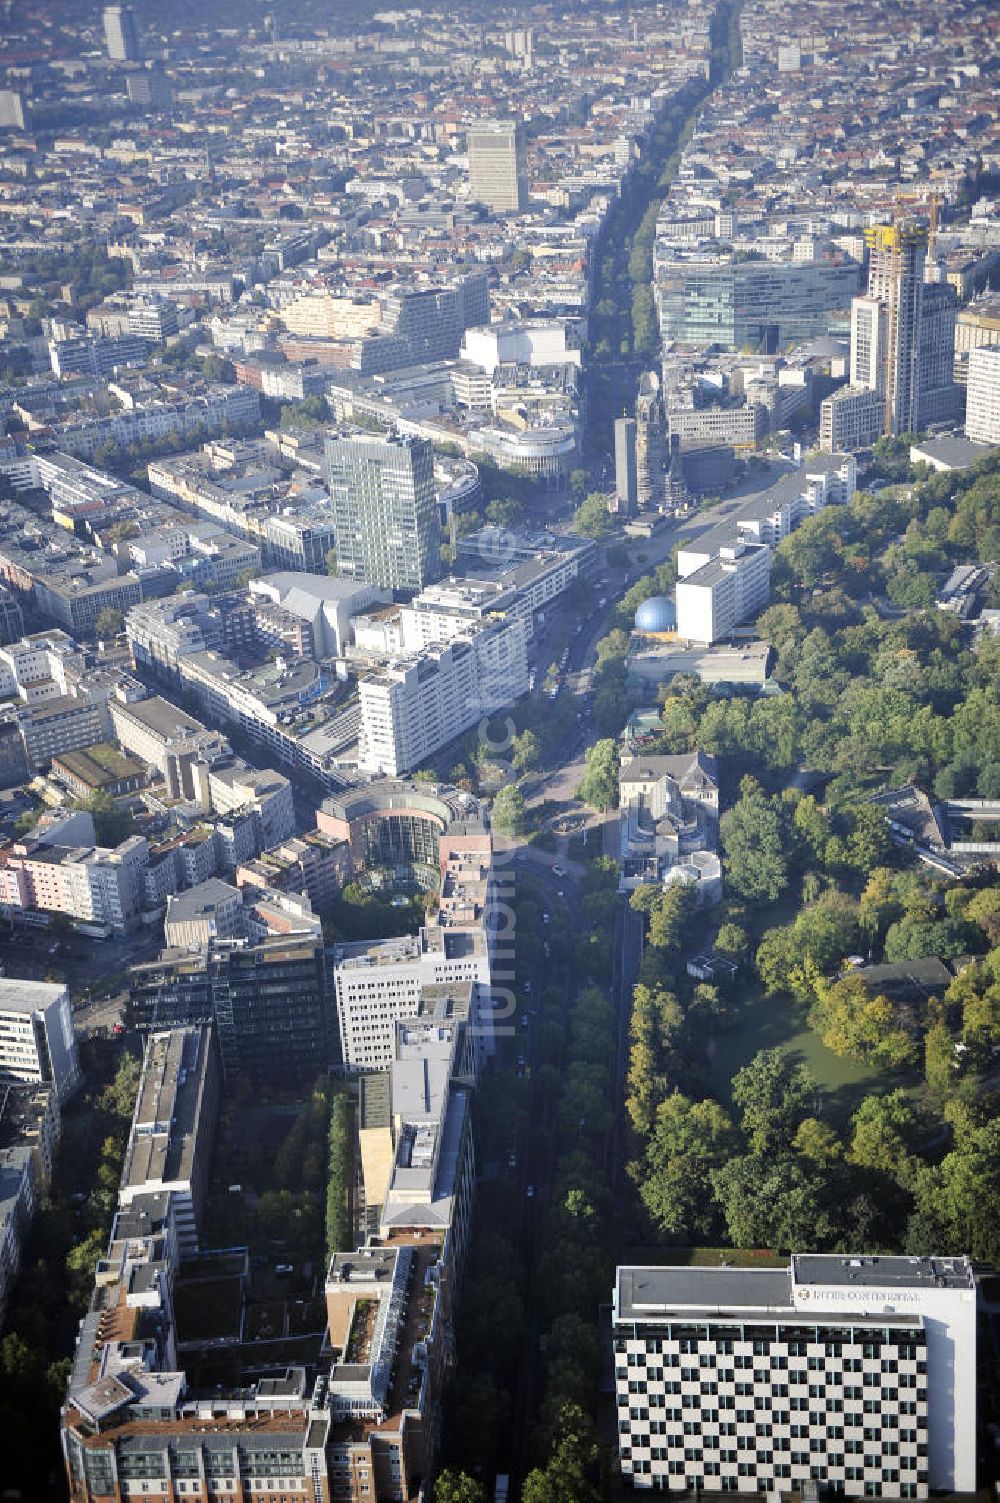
858, 1296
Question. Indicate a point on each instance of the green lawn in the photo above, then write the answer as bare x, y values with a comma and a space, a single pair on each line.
705, 1257
780, 1022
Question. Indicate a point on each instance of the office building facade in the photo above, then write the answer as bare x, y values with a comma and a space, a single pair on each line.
755, 304
855, 1375
498, 175
386, 519
269, 1002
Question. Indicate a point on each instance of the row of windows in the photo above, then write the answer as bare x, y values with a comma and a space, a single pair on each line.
764, 1399
872, 1489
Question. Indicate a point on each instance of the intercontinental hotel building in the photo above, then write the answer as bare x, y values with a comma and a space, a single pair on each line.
854, 1374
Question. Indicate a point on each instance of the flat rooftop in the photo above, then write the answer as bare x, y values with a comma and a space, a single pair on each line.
882, 1272
28, 996
165, 1130
656, 1292
163, 718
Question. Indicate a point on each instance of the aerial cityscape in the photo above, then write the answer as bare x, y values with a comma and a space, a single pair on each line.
499, 751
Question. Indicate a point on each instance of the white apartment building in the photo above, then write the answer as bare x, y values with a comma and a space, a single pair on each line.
37, 1042
853, 1373
982, 410
725, 592
379, 982
414, 706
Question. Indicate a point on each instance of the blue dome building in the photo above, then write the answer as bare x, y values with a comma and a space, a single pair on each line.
657, 614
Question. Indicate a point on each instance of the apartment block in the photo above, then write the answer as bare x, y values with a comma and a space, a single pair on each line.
724, 593
29, 1133
851, 418
413, 706
93, 884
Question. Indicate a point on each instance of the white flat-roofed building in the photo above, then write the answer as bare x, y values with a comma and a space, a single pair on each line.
37, 1042
725, 592
379, 982
533, 342
821, 480
857, 1374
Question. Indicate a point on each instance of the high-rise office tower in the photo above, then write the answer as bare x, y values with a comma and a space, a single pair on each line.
121, 33
385, 511
896, 282
939, 396
626, 472
150, 89
498, 174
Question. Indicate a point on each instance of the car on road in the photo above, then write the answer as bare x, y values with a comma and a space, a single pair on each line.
559, 871
545, 918
524, 1020
282, 1270
530, 1191
512, 1161
521, 1064
527, 987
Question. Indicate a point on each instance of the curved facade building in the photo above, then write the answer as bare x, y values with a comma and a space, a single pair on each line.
398, 823
549, 450
457, 485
